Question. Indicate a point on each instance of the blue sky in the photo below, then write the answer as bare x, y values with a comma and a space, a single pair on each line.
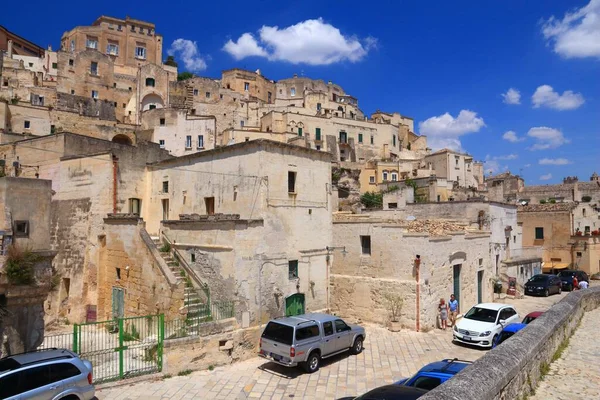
447, 64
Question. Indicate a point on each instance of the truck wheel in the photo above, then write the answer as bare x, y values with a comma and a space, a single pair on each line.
357, 347
312, 363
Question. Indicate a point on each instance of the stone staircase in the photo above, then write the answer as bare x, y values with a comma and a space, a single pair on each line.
192, 300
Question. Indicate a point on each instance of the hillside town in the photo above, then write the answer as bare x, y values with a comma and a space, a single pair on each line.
167, 219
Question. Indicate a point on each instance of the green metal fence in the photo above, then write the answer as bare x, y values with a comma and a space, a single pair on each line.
198, 314
59, 341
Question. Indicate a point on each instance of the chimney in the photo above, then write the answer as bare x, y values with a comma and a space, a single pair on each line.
9, 49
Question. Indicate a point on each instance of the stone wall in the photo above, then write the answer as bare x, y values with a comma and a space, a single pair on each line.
513, 370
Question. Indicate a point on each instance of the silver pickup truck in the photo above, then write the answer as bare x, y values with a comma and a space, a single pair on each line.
305, 339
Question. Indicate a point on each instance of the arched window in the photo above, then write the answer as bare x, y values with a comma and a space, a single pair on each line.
394, 176
150, 82
385, 176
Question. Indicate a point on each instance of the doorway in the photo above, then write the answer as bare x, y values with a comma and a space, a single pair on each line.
294, 304
209, 202
479, 287
456, 278
165, 209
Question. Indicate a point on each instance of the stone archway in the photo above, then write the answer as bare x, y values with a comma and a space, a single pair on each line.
122, 139
152, 101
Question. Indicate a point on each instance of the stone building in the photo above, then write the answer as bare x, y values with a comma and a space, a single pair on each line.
454, 166
25, 255
242, 217
379, 259
574, 191
11, 42
504, 187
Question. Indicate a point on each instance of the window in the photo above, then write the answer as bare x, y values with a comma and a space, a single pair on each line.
392, 205
135, 206
372, 139
299, 131
394, 140
269, 96
141, 30
91, 43
207, 95
71, 62
371, 179
54, 65
246, 86
292, 269
583, 211
318, 106
385, 176
165, 187
291, 182
292, 92
112, 49
150, 82
21, 229
162, 122
360, 138
140, 52
426, 382
94, 68
318, 134
33, 378
200, 141
188, 142
242, 124
365, 245
72, 46
195, 92
456, 161
193, 257
94, 94
72, 91
152, 107
31, 64
209, 203
119, 28
394, 177
328, 328
9, 385
579, 254
343, 137
61, 371
340, 326
27, 124
307, 332
161, 143
539, 233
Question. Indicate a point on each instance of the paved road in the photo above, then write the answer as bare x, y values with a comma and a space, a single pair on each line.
386, 358
576, 375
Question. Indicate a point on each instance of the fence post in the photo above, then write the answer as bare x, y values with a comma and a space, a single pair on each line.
75, 347
120, 321
161, 338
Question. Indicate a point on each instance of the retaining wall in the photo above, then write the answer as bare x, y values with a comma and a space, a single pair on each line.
513, 370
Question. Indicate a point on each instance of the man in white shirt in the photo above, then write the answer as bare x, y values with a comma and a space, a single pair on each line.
583, 285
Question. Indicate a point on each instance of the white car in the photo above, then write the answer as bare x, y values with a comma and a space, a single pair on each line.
480, 326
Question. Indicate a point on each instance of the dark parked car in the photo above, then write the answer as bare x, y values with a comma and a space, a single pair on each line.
391, 392
566, 276
507, 332
543, 284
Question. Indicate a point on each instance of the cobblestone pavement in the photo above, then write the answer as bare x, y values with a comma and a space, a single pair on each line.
386, 358
576, 374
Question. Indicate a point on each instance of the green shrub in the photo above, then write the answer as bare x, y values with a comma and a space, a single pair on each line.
130, 336
552, 201
184, 372
542, 201
586, 199
166, 248
372, 199
19, 266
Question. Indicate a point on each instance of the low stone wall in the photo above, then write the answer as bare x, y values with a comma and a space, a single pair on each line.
514, 369
211, 348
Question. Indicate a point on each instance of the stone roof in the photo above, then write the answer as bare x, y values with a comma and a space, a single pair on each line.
434, 227
548, 207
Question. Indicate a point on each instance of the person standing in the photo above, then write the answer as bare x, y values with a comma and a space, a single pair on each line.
453, 307
575, 283
583, 285
443, 309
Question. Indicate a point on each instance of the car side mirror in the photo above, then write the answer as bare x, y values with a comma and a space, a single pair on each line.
502, 321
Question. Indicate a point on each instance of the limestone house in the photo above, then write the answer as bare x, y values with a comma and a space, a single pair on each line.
421, 261
252, 220
571, 190
456, 167
25, 262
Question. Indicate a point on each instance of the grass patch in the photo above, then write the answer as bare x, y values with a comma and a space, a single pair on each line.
544, 369
167, 376
166, 248
184, 372
211, 367
19, 265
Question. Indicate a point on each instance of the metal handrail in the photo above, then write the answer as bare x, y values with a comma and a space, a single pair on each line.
188, 270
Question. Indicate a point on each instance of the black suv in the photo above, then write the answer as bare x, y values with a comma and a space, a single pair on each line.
566, 276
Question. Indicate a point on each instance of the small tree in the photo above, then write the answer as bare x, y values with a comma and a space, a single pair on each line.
185, 76
372, 199
586, 199
171, 62
19, 265
394, 304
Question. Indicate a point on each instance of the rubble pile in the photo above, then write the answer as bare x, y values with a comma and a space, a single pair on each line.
434, 227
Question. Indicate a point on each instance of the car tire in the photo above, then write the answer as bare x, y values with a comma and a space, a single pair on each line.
494, 340
559, 290
357, 347
312, 363
546, 293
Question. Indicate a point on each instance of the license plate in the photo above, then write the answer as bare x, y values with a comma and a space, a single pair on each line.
466, 338
276, 357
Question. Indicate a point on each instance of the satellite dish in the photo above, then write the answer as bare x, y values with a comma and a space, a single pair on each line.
411, 218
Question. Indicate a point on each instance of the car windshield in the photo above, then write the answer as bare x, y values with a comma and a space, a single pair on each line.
539, 278
527, 320
482, 314
279, 333
566, 274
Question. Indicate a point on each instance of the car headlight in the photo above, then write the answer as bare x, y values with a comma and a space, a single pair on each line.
486, 333
455, 328
540, 287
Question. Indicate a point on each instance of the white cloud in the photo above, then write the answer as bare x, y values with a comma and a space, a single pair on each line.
577, 35
554, 161
187, 51
507, 157
513, 96
246, 46
445, 130
312, 42
491, 166
512, 137
546, 138
527, 165
545, 96
546, 177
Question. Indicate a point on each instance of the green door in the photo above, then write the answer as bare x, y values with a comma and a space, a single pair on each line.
479, 286
457, 282
294, 304
118, 303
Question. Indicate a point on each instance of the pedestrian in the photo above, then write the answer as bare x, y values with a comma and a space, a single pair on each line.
453, 307
583, 285
575, 283
443, 308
